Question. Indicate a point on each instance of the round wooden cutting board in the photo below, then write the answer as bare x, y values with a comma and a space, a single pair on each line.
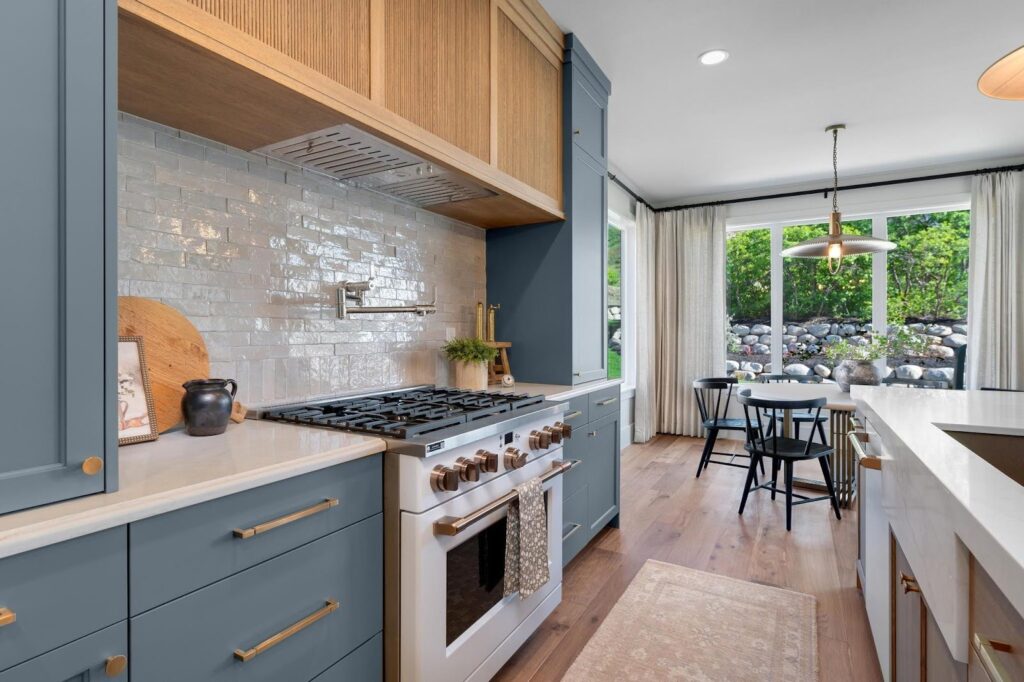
174, 349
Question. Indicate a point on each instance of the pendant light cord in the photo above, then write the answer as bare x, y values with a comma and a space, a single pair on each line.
835, 170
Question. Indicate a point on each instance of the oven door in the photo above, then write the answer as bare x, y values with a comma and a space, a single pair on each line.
453, 614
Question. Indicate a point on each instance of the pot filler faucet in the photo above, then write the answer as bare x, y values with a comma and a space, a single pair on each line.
355, 292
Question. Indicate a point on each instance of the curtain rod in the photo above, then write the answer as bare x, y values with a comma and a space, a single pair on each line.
826, 190
620, 183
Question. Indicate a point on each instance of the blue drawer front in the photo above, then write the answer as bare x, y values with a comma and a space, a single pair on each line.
62, 592
365, 664
184, 550
195, 637
84, 659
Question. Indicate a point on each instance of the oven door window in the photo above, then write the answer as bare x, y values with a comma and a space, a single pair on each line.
475, 577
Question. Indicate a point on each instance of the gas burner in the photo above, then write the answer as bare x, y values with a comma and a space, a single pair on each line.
408, 413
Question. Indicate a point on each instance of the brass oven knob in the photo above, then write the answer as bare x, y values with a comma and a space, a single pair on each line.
566, 429
554, 433
540, 439
468, 470
486, 461
444, 479
515, 458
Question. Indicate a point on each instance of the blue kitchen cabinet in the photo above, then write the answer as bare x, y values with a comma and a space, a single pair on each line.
99, 656
57, 261
549, 279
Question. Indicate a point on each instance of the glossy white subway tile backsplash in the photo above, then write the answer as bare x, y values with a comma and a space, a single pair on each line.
252, 250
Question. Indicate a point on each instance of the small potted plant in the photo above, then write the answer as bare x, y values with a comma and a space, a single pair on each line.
469, 356
855, 363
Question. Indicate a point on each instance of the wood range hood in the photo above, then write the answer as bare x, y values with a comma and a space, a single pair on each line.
271, 75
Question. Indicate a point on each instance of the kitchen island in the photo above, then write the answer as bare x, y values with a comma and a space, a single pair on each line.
951, 512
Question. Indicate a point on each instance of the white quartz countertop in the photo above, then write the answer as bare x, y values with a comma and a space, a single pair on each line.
557, 391
179, 470
941, 486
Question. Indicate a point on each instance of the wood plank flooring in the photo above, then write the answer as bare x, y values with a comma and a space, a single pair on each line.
669, 515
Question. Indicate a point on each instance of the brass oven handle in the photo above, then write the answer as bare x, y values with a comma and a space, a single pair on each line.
248, 654
986, 649
451, 525
7, 616
864, 459
606, 401
572, 415
245, 533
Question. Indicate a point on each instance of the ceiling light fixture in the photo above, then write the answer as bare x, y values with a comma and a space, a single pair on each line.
712, 57
1005, 78
835, 245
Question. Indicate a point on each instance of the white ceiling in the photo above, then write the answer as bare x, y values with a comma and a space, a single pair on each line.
900, 73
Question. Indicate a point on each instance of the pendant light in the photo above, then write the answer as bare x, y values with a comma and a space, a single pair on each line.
1005, 78
836, 245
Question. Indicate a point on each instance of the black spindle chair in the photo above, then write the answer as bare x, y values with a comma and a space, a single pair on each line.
915, 383
784, 452
799, 418
713, 399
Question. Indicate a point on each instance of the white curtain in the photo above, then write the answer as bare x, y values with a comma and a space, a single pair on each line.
995, 306
645, 415
689, 311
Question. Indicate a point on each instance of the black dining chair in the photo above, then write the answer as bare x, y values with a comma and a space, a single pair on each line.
784, 452
799, 418
915, 383
714, 396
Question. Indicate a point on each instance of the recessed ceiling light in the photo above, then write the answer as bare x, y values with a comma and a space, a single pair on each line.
712, 57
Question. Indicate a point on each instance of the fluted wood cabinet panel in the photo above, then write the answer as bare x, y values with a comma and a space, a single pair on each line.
329, 36
437, 68
529, 110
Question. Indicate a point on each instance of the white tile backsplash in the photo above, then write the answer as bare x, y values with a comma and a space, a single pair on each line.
252, 250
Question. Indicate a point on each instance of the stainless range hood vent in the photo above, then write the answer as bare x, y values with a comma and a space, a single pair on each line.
347, 153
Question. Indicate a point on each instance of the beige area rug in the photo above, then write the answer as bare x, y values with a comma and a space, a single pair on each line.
677, 623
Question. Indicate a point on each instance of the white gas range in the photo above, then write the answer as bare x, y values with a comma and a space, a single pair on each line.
454, 459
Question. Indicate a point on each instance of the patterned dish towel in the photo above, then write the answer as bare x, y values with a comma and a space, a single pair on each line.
526, 541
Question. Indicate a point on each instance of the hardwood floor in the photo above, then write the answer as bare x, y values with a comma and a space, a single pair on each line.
669, 515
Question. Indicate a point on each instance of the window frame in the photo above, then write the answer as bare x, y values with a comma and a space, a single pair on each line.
879, 215
627, 294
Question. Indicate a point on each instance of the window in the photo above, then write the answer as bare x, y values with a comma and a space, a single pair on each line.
783, 313
614, 250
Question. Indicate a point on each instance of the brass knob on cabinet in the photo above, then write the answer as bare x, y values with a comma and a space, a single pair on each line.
554, 433
444, 479
540, 439
515, 458
468, 470
909, 583
92, 466
566, 429
486, 461
115, 665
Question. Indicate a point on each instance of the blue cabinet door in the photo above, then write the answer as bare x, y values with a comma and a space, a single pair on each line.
99, 656
602, 471
57, 271
589, 217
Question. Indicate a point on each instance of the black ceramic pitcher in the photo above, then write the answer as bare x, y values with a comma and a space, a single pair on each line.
207, 405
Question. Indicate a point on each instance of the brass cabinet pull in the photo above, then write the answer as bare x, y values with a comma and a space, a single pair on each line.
248, 654
909, 583
986, 649
591, 433
606, 401
7, 616
92, 466
451, 525
245, 533
115, 665
863, 458
572, 415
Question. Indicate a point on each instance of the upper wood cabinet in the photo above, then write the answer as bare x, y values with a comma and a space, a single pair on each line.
473, 86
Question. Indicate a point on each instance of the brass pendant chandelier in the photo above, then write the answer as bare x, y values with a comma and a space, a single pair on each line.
836, 245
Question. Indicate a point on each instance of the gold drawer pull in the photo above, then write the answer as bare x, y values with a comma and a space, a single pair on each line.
244, 533
986, 649
572, 415
606, 401
7, 616
330, 607
115, 665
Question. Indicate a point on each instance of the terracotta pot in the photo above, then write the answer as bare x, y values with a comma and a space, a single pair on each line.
471, 376
856, 373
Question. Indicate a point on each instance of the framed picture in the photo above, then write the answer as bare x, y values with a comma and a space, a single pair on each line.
136, 415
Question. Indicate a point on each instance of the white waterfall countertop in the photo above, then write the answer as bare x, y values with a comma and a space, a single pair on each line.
178, 471
943, 500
